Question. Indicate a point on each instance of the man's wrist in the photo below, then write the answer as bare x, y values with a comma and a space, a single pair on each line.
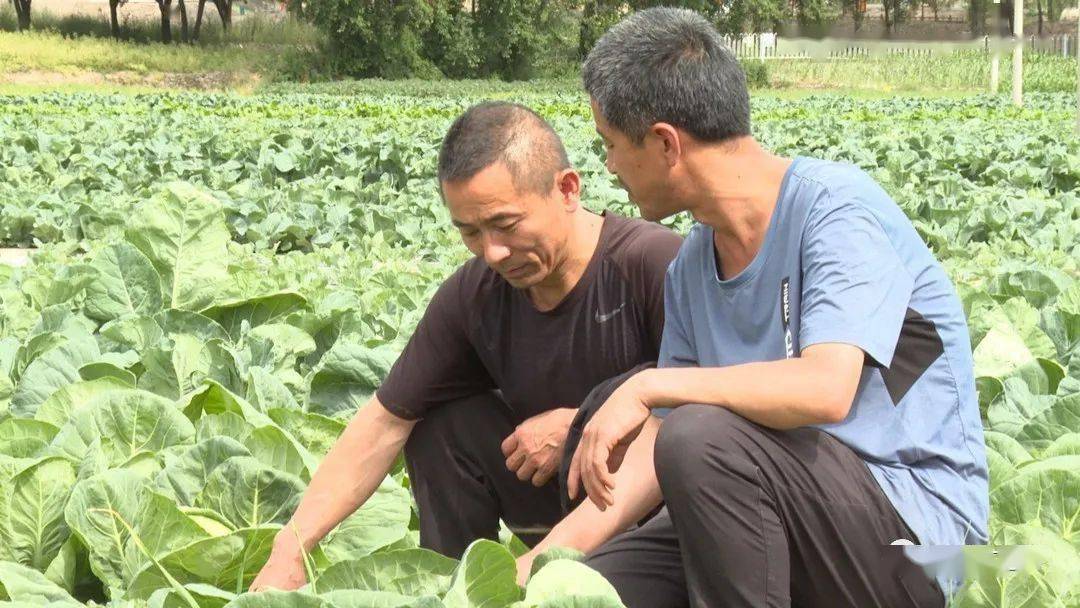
286, 543
569, 413
646, 388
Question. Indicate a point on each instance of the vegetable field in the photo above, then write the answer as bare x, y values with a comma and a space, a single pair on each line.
218, 282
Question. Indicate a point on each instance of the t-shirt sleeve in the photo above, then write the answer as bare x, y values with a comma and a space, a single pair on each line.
855, 287
655, 249
677, 346
439, 363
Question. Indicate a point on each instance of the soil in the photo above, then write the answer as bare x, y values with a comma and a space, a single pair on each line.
207, 81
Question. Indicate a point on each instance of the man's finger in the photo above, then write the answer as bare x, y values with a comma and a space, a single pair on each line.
509, 444
574, 476
598, 471
607, 480
541, 477
516, 459
588, 476
583, 461
526, 471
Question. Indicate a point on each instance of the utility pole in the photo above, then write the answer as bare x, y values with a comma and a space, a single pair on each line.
1018, 53
995, 71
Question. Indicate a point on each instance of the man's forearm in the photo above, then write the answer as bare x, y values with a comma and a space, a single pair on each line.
636, 493
779, 394
350, 473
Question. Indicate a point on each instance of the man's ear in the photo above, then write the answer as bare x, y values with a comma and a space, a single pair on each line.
568, 183
669, 141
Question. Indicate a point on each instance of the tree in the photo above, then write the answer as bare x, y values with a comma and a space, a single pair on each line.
166, 24
514, 33
450, 42
114, 6
380, 38
183, 21
896, 12
198, 19
812, 11
224, 9
730, 17
978, 11
857, 8
22, 13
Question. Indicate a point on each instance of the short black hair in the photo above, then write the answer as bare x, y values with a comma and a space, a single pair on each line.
668, 65
497, 131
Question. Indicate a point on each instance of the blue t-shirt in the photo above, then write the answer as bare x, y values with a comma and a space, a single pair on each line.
842, 263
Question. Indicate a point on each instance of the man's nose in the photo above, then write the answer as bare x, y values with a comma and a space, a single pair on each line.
494, 252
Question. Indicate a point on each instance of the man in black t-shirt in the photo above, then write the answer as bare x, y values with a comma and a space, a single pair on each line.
558, 307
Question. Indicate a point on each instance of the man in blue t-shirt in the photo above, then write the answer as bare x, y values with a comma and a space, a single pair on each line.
815, 380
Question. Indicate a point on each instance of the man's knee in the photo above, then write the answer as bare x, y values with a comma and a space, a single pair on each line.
694, 438
451, 425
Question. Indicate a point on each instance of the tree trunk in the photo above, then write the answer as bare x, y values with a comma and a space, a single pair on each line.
166, 23
183, 21
1038, 3
584, 30
888, 24
198, 19
22, 13
113, 20
224, 9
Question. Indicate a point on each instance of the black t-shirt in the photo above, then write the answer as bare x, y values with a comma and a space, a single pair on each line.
479, 333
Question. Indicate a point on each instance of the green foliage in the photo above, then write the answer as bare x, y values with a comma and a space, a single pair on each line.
375, 38
450, 41
757, 73
730, 18
157, 428
515, 33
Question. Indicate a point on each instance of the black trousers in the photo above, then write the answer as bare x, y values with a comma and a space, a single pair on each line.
763, 518
460, 481
459, 477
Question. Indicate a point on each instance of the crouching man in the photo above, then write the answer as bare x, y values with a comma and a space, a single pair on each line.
815, 361
556, 309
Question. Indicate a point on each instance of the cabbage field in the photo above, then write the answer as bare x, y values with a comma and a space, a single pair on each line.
219, 281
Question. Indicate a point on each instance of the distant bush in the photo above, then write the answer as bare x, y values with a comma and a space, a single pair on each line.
757, 73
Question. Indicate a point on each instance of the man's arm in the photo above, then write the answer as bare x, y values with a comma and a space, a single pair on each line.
587, 527
817, 387
351, 472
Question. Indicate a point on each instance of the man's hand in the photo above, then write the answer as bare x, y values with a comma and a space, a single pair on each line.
605, 440
285, 568
534, 449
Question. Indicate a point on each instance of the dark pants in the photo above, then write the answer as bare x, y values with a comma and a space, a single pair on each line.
460, 481
459, 477
763, 518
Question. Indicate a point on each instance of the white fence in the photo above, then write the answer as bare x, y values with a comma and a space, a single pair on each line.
768, 45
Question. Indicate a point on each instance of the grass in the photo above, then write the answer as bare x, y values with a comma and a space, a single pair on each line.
965, 71
51, 52
79, 50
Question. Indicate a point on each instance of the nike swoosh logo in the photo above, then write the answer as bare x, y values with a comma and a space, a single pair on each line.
605, 317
